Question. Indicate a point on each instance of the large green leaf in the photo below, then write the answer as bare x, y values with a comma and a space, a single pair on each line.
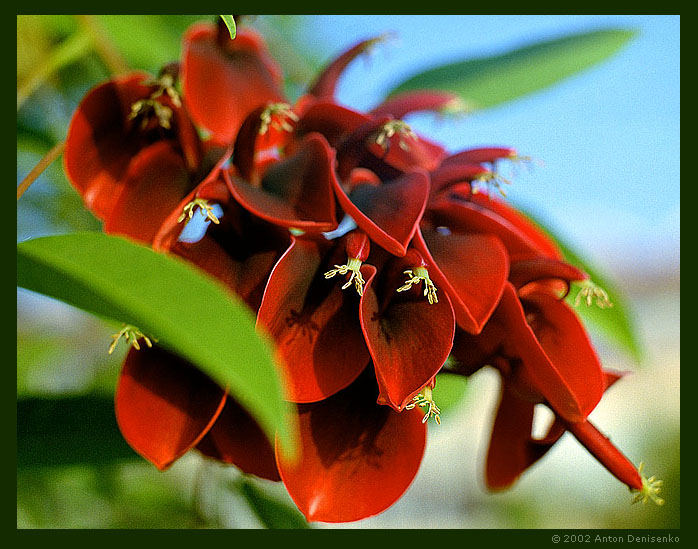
187, 311
615, 323
488, 81
270, 511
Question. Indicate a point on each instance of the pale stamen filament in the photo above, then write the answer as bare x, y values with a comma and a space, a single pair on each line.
130, 334
650, 489
395, 127
353, 266
204, 207
416, 276
426, 400
590, 292
277, 116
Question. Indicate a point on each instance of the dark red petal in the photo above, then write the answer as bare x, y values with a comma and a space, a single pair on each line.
562, 366
472, 269
223, 83
409, 338
97, 150
423, 100
296, 192
388, 213
508, 453
419, 153
608, 455
566, 343
237, 438
164, 405
480, 155
314, 322
325, 84
520, 241
333, 121
357, 457
154, 185
543, 268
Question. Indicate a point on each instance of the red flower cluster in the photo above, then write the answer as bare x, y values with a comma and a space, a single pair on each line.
367, 253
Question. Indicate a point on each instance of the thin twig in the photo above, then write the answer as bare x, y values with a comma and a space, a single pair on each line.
44, 163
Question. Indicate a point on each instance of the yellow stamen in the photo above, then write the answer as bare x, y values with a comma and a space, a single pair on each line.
590, 292
204, 207
650, 489
165, 84
489, 180
353, 266
395, 127
277, 116
130, 333
416, 276
426, 400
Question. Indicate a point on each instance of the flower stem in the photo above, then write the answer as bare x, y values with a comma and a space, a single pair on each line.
44, 163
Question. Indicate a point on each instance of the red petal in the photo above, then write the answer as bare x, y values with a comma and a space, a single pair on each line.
521, 241
164, 405
409, 338
98, 149
524, 272
558, 360
472, 269
512, 450
357, 457
237, 438
333, 121
388, 213
296, 192
314, 322
325, 84
424, 100
223, 83
154, 185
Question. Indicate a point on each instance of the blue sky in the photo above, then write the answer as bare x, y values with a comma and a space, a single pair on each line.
608, 137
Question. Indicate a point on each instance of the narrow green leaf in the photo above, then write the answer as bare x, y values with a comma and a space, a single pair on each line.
230, 23
489, 81
271, 512
186, 310
69, 431
616, 323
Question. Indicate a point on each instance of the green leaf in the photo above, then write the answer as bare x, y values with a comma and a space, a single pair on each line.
271, 512
230, 23
450, 391
68, 431
489, 81
615, 323
186, 310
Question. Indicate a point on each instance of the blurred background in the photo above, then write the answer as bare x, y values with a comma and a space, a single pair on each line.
607, 183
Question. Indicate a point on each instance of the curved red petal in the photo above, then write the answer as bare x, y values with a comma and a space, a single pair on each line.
164, 405
409, 338
326, 82
314, 322
237, 438
357, 457
296, 192
471, 217
566, 343
388, 213
508, 452
224, 82
405, 103
543, 268
549, 365
154, 185
471, 268
97, 149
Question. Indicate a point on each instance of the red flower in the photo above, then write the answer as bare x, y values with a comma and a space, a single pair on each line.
428, 266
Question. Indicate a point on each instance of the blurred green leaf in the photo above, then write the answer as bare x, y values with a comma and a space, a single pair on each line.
615, 323
68, 431
186, 310
489, 81
270, 511
449, 391
230, 23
